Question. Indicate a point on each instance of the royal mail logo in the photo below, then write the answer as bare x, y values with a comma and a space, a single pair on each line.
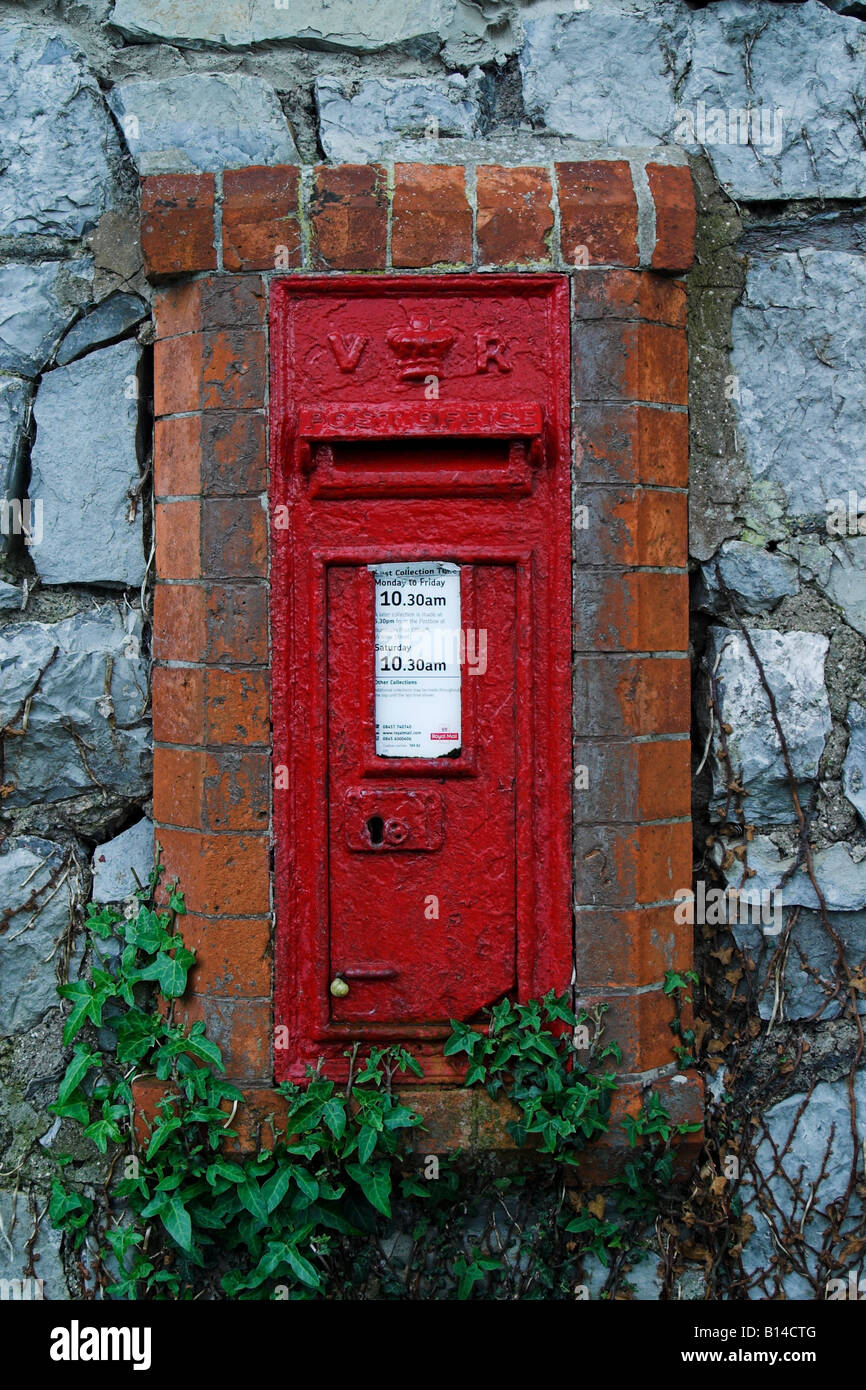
442, 735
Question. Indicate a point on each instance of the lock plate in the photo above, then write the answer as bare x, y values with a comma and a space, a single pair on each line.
378, 821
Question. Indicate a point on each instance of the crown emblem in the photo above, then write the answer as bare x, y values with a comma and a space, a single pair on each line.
420, 349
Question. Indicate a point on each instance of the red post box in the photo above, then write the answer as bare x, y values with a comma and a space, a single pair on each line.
421, 599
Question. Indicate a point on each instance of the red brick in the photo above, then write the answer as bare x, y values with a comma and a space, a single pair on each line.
664, 860
598, 213
177, 223
515, 216
177, 375
233, 301
234, 453
644, 526
349, 217
663, 530
630, 294
224, 875
233, 369
237, 625
641, 611
616, 695
177, 309
179, 631
237, 707
663, 447
178, 704
627, 865
664, 780
260, 218
640, 1023
233, 955
630, 361
234, 537
237, 790
676, 217
630, 946
432, 220
241, 1028
177, 456
177, 540
178, 779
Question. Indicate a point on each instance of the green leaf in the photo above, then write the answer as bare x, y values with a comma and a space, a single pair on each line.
334, 1115
176, 1220
375, 1183
302, 1268
253, 1199
366, 1143
275, 1189
170, 972
80, 1064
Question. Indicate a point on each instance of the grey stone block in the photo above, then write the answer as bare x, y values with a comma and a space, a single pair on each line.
799, 341
806, 964
202, 121
87, 727
111, 319
357, 127
84, 464
61, 155
321, 23
33, 893
15, 399
757, 578
854, 767
114, 862
49, 1282
794, 666
38, 302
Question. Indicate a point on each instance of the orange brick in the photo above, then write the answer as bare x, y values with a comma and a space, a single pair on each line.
664, 781
177, 364
662, 528
663, 446
676, 216
349, 217
237, 707
629, 294
640, 1023
234, 538
177, 309
179, 632
233, 955
220, 874
629, 946
178, 777
177, 540
178, 704
515, 215
598, 213
664, 860
237, 790
233, 369
260, 228
177, 223
432, 220
237, 625
177, 456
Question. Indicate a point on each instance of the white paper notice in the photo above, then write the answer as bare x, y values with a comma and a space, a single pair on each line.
417, 658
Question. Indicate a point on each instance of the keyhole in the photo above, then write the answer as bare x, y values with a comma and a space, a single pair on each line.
376, 830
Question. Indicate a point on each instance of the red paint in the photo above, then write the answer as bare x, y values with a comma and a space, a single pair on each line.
367, 469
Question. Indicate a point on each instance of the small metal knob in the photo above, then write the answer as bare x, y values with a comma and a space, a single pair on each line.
339, 988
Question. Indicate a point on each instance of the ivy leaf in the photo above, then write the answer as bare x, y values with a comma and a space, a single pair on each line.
375, 1183
366, 1143
276, 1188
302, 1268
80, 1064
334, 1115
170, 972
176, 1220
161, 1134
252, 1198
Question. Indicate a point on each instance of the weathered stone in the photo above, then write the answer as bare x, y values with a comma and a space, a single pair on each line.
756, 578
84, 464
799, 342
854, 767
845, 585
805, 1161
357, 128
10, 597
35, 902
15, 398
37, 305
87, 727
605, 74
61, 156
111, 319
761, 58
123, 864
320, 23
202, 121
19, 1215
808, 969
794, 666
840, 875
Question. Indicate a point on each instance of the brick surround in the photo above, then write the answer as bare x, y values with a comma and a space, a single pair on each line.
212, 243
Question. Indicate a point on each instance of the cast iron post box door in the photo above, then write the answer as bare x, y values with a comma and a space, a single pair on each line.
421, 601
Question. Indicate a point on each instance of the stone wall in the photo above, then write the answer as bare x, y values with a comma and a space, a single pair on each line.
768, 100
